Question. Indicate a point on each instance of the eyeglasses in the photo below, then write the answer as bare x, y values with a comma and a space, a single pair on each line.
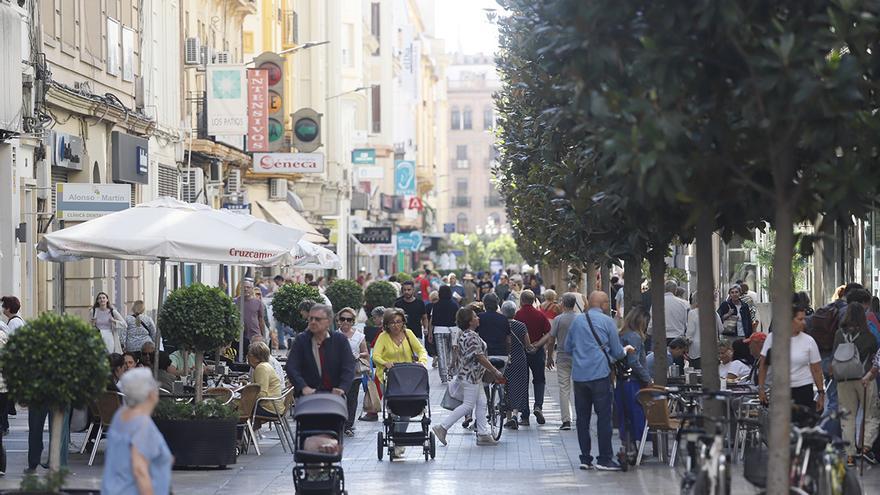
317, 318
346, 320
398, 322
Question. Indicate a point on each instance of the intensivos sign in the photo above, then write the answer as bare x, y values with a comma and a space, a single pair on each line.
288, 163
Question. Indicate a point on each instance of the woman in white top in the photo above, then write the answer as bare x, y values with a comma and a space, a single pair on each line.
139, 330
345, 322
108, 321
806, 368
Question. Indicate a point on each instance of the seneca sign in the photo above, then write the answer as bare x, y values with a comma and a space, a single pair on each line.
288, 163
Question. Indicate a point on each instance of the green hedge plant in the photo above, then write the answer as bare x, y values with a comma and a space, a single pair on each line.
345, 294
199, 319
380, 293
403, 277
285, 303
55, 362
209, 408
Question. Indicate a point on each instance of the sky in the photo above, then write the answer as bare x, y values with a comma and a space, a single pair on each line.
464, 26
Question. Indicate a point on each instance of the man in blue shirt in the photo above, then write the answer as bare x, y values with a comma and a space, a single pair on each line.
677, 348
590, 373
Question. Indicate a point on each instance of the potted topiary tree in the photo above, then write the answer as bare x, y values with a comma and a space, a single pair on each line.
380, 293
285, 303
199, 319
55, 362
345, 294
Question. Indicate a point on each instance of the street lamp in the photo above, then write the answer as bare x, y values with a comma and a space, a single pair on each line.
304, 46
355, 90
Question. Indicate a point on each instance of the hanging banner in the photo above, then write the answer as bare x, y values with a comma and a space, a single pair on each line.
405, 178
227, 100
258, 117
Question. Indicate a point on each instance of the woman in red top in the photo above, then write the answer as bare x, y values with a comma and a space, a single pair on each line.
550, 308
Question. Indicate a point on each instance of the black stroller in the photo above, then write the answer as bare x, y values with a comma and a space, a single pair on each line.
406, 395
320, 419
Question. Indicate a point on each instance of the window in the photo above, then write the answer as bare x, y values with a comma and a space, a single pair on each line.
461, 152
376, 100
488, 118
467, 119
112, 47
461, 186
455, 119
461, 223
375, 23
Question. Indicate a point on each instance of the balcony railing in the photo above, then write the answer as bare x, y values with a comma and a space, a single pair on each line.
493, 201
198, 113
461, 202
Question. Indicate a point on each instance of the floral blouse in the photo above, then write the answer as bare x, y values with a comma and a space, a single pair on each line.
470, 347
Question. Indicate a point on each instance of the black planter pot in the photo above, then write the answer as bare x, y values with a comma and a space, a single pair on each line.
200, 442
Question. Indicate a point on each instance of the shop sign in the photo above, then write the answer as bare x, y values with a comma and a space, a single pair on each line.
404, 178
288, 163
448, 228
244, 209
80, 202
67, 151
375, 235
370, 173
258, 116
227, 100
409, 241
363, 156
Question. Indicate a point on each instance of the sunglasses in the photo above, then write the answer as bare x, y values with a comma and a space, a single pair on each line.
343, 319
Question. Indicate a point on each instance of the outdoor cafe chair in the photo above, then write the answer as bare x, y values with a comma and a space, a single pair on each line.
106, 406
279, 419
220, 394
656, 409
247, 402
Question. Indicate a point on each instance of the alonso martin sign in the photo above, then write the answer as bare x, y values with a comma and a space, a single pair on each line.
288, 163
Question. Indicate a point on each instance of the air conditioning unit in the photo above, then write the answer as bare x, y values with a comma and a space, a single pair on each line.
233, 181
206, 55
192, 52
216, 171
223, 58
193, 185
278, 189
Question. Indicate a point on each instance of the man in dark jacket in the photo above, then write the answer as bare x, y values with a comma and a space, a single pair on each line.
320, 360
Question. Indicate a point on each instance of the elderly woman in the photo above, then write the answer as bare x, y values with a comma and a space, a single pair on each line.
472, 364
550, 308
517, 370
265, 376
736, 317
356, 340
139, 329
397, 344
138, 460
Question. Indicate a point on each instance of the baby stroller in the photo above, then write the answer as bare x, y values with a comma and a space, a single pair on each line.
320, 419
406, 395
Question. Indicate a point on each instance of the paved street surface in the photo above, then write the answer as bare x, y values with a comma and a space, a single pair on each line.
531, 458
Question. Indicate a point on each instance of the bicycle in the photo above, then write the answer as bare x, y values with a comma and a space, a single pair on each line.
496, 402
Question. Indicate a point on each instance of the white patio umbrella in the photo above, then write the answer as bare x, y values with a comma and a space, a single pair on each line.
167, 229
312, 256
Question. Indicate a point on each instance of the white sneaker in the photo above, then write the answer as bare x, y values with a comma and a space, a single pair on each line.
440, 433
486, 441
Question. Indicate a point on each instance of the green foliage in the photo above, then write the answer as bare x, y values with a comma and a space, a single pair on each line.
380, 293
285, 303
199, 318
504, 247
403, 277
55, 361
52, 482
207, 409
345, 293
765, 253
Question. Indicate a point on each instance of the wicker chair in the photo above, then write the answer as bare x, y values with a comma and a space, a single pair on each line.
246, 405
220, 394
279, 419
106, 406
658, 418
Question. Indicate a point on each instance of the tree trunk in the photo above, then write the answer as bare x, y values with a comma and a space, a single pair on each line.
706, 304
200, 368
185, 354
605, 277
56, 418
658, 313
590, 276
780, 402
632, 282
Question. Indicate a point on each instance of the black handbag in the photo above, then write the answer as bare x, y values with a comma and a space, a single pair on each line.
618, 367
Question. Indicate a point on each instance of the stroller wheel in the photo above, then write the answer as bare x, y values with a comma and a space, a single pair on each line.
433, 445
380, 445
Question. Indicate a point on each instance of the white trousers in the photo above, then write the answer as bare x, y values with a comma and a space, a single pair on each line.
473, 397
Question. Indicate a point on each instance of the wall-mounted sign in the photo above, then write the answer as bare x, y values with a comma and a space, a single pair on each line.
409, 241
448, 228
80, 202
244, 209
370, 173
288, 163
375, 235
129, 158
414, 203
405, 178
143, 161
363, 156
67, 151
258, 116
227, 100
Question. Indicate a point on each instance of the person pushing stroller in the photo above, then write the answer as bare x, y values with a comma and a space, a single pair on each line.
320, 360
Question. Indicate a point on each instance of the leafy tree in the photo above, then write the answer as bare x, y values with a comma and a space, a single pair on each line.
199, 319
39, 369
285, 304
379, 293
504, 247
345, 293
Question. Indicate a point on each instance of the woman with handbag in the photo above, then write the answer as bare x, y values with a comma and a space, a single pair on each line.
356, 340
139, 329
108, 321
736, 316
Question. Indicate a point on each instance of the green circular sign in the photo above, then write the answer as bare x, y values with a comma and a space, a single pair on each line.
306, 129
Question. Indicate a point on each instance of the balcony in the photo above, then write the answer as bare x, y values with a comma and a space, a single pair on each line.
461, 202
198, 114
493, 201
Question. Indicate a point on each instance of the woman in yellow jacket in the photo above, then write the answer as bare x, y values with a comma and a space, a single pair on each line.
397, 344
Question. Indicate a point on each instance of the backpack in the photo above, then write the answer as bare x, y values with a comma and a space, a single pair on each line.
823, 325
847, 362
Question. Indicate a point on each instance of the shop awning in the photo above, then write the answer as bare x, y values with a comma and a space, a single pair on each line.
282, 213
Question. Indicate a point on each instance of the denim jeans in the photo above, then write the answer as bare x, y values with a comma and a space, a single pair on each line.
833, 425
589, 396
36, 420
284, 333
536, 364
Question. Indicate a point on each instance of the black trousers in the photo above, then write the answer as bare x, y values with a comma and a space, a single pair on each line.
803, 396
351, 399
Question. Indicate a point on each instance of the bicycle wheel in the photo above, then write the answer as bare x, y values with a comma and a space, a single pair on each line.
496, 411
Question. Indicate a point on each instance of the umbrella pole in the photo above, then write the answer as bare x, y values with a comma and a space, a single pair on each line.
159, 310
240, 272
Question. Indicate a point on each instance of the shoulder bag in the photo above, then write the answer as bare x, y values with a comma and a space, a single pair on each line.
619, 369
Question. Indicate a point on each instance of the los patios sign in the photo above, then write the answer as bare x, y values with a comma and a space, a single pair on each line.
288, 163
